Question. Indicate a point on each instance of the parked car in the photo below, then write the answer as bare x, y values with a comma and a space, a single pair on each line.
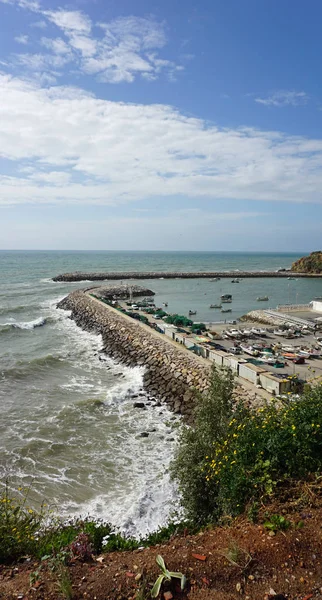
234, 350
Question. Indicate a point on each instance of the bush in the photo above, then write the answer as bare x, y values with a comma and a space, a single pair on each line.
231, 457
212, 415
19, 525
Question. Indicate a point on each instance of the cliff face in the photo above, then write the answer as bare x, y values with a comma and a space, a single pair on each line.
309, 264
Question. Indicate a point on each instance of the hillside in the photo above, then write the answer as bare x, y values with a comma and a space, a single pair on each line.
309, 264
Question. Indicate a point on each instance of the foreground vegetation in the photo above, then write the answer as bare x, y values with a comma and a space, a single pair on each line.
233, 458
236, 457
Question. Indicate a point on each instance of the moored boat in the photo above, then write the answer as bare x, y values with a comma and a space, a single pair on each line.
226, 298
262, 298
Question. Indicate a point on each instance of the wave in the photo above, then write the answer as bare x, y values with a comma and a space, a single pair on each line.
28, 325
23, 369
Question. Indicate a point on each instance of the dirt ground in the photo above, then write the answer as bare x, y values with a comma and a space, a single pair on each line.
269, 565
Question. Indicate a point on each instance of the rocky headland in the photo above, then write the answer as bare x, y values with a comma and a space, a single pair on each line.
311, 264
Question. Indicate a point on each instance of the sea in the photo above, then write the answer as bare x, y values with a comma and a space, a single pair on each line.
69, 429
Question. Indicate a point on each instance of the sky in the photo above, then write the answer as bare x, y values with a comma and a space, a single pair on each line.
161, 125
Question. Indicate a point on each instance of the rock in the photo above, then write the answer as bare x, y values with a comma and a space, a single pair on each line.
138, 405
167, 596
144, 434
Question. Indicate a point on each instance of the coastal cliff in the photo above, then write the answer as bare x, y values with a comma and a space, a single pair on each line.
309, 264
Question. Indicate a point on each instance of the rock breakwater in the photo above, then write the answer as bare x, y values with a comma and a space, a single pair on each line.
171, 374
120, 275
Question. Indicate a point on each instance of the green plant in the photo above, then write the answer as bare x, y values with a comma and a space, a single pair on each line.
19, 523
57, 562
236, 556
212, 414
277, 523
234, 455
167, 576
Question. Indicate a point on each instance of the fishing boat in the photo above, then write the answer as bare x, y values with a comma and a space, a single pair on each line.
291, 278
226, 298
165, 304
262, 298
226, 310
235, 281
215, 279
215, 306
192, 312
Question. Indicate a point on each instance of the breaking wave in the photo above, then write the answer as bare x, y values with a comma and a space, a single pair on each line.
28, 325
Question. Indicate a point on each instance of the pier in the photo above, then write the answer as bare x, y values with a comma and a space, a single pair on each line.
120, 275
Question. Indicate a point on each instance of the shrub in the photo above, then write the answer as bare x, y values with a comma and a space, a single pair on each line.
212, 414
232, 457
19, 525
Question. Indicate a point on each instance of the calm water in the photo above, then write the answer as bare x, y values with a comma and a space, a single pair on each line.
67, 418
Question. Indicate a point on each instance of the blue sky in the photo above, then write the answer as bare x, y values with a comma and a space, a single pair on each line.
161, 125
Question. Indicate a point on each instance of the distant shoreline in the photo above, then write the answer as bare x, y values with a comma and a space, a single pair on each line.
119, 275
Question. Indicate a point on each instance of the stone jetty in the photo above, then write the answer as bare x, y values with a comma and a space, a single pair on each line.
119, 275
121, 291
172, 374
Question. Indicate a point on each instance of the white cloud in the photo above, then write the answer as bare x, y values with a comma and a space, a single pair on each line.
284, 98
70, 21
22, 39
57, 46
39, 24
114, 52
116, 153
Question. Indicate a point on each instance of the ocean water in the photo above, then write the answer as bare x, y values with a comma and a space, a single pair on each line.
67, 418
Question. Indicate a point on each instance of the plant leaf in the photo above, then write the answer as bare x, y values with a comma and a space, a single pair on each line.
160, 562
176, 575
183, 582
156, 588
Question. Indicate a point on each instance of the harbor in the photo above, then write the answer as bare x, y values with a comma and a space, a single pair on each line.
275, 360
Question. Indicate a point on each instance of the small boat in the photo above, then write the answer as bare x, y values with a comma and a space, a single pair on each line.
291, 278
279, 332
249, 350
226, 310
262, 298
215, 306
255, 331
262, 331
192, 312
235, 281
226, 298
215, 279
165, 304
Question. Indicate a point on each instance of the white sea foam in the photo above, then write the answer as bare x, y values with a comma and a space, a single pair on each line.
23, 325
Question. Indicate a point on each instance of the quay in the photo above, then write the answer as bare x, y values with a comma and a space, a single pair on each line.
120, 275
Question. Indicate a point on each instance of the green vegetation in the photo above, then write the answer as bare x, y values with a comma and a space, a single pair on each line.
234, 455
309, 264
42, 535
166, 576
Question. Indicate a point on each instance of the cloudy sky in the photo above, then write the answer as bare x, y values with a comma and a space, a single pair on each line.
161, 124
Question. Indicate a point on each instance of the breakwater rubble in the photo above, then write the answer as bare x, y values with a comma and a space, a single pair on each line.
170, 374
119, 275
